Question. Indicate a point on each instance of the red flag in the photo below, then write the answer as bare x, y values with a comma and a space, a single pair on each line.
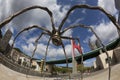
72, 43
78, 47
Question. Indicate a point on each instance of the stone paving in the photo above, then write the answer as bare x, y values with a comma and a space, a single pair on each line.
8, 74
115, 74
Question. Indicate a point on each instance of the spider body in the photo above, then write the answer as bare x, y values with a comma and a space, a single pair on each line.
56, 39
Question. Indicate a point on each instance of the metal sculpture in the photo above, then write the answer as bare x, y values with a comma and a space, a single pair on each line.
56, 35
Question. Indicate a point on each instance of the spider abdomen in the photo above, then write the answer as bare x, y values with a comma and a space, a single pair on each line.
56, 40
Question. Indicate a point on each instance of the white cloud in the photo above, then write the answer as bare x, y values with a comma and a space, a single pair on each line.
28, 49
77, 21
31, 47
44, 38
52, 54
108, 5
59, 53
68, 33
81, 1
84, 11
34, 16
31, 40
8, 27
11, 40
38, 17
106, 31
89, 62
5, 11
41, 49
5, 8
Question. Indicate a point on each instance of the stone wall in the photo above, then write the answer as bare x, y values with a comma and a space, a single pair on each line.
101, 60
117, 54
4, 42
16, 67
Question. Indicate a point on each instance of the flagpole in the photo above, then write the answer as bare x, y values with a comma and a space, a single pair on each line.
73, 57
81, 52
74, 62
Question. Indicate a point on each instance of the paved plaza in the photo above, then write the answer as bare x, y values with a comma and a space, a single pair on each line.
8, 74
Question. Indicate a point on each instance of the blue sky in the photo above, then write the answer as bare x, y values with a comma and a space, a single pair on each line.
101, 24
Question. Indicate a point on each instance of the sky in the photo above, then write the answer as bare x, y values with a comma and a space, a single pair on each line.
100, 23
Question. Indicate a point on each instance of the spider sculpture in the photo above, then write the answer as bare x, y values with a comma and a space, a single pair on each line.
56, 35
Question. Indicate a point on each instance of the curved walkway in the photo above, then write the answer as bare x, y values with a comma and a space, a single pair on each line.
103, 75
8, 74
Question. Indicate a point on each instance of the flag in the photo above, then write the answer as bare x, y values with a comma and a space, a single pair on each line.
78, 47
73, 54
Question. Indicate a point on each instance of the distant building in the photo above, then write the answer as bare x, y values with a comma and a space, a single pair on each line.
19, 57
0, 34
4, 41
15, 54
49, 68
102, 60
36, 65
97, 43
92, 45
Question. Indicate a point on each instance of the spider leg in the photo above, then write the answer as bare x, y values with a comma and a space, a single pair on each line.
70, 38
65, 54
7, 20
46, 53
83, 26
36, 43
28, 28
66, 58
73, 26
104, 47
112, 18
